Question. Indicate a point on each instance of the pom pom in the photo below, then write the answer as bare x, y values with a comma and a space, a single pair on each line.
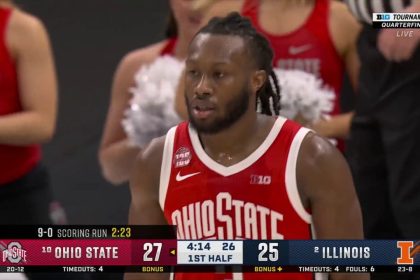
151, 112
304, 94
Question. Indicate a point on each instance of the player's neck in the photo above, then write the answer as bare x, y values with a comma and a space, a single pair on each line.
234, 144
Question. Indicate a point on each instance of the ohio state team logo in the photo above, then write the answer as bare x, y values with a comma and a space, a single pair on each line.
182, 157
13, 252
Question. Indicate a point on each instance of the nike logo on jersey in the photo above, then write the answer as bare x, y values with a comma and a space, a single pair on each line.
180, 178
297, 50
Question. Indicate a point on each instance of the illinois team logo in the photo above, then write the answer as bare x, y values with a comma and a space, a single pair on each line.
408, 252
14, 253
182, 157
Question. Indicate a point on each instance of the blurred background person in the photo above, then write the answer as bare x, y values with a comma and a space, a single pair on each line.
386, 128
116, 154
87, 51
28, 105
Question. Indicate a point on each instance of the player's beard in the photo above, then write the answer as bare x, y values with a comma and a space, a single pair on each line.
234, 110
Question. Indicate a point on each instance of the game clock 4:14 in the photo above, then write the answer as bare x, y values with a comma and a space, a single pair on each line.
199, 246
203, 246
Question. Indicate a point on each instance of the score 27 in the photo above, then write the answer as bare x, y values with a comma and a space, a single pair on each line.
152, 251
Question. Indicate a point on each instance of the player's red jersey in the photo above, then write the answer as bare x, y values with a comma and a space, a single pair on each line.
15, 161
256, 198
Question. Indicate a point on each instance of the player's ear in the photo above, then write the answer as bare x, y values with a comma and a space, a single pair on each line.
258, 80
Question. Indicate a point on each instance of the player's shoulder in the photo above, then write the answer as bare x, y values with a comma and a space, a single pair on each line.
152, 154
317, 158
149, 160
136, 58
316, 151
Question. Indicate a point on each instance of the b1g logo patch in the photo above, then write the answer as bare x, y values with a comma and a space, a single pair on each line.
182, 157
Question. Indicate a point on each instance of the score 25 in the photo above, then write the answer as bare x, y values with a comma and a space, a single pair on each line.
268, 249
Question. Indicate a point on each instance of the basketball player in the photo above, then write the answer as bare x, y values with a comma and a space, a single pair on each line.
230, 173
318, 37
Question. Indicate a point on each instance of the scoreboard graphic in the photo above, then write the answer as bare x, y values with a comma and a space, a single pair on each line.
155, 249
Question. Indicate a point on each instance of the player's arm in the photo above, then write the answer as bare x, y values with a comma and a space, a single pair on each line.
144, 186
116, 156
326, 186
29, 45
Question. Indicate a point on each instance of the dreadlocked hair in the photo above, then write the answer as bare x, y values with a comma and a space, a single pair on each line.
234, 24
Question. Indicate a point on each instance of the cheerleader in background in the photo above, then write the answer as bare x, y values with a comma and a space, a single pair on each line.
28, 106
